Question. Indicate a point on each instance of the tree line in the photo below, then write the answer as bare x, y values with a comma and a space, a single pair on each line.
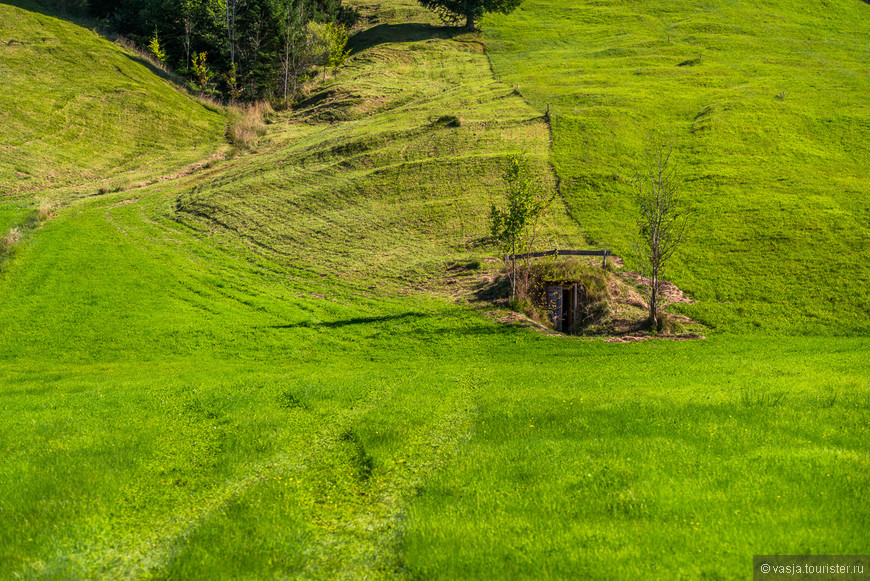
245, 50
241, 50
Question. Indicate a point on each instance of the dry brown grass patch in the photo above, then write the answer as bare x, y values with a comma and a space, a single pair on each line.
247, 123
45, 211
9, 239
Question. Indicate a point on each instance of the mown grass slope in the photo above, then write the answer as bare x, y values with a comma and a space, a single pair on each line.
192, 412
193, 389
161, 391
389, 170
766, 106
81, 113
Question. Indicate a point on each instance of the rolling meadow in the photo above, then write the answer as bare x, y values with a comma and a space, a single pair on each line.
220, 362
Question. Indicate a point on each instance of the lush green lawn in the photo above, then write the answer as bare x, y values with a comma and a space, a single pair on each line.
653, 461
766, 106
219, 417
227, 375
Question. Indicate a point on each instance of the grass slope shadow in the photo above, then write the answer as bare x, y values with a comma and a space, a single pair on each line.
393, 33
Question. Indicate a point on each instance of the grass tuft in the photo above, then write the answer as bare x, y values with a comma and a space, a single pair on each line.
10, 239
247, 124
447, 121
764, 398
45, 211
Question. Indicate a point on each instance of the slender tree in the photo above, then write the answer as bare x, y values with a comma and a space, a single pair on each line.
231, 7
661, 225
515, 227
156, 49
295, 54
187, 22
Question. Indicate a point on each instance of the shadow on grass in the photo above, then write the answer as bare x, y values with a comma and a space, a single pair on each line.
162, 73
38, 7
210, 102
62, 10
411, 32
353, 321
434, 328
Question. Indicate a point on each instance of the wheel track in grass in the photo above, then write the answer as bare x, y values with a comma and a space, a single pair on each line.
150, 554
369, 545
365, 545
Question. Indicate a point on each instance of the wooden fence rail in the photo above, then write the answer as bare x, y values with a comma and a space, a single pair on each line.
603, 253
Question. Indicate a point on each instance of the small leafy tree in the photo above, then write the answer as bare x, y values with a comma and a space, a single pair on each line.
337, 42
661, 225
232, 82
201, 71
455, 11
515, 227
156, 50
327, 44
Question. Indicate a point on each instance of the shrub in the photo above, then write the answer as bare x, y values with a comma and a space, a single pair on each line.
201, 71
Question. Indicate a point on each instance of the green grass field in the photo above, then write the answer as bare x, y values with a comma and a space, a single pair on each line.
766, 107
254, 370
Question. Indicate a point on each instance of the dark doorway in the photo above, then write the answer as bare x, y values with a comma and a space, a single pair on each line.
562, 302
569, 303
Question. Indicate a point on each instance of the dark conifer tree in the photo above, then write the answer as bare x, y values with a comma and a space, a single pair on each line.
455, 11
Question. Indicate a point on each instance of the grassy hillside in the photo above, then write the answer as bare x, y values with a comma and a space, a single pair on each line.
81, 113
766, 106
388, 170
232, 374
